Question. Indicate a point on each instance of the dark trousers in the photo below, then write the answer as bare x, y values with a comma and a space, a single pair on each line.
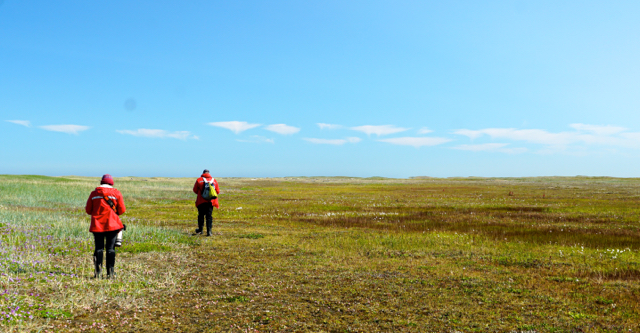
205, 210
99, 238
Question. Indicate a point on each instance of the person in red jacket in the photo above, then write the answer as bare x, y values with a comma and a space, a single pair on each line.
205, 207
105, 204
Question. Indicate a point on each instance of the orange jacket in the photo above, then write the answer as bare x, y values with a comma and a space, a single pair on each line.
199, 186
103, 218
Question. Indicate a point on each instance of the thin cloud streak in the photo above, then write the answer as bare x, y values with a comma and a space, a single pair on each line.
158, 133
235, 126
424, 130
539, 136
491, 147
24, 123
481, 147
379, 130
471, 134
635, 136
329, 126
416, 141
257, 139
598, 130
69, 129
582, 139
336, 142
282, 129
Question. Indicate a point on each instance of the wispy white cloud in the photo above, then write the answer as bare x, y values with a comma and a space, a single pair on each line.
491, 147
379, 130
158, 133
25, 123
597, 129
424, 130
529, 135
257, 139
567, 141
631, 139
336, 142
69, 129
469, 133
182, 135
329, 126
538, 136
481, 147
635, 136
234, 126
416, 141
282, 129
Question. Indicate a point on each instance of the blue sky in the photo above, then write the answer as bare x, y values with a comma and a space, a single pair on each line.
331, 88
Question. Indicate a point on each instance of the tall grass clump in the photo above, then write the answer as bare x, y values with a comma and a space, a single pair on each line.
46, 250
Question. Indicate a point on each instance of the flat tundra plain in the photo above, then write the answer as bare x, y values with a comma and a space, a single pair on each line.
328, 255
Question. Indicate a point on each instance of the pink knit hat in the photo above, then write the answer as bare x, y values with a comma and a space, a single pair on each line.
107, 179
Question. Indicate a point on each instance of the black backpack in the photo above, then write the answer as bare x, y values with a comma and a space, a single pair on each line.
209, 190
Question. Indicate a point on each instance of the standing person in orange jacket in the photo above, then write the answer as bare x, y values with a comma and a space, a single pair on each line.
105, 204
205, 207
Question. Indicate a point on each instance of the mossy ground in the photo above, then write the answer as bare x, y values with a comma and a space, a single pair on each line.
337, 255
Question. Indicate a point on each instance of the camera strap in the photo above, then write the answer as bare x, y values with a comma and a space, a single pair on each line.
111, 203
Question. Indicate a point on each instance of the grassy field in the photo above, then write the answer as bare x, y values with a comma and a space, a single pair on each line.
328, 255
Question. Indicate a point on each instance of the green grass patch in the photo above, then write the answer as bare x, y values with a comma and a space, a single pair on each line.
144, 247
54, 314
252, 235
603, 301
236, 299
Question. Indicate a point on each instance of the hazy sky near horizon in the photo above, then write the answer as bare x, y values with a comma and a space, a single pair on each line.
331, 88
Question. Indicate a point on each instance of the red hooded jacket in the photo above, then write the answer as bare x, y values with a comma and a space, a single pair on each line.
199, 185
103, 218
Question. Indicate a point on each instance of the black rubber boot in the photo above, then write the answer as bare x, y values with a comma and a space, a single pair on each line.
111, 262
97, 264
200, 225
209, 226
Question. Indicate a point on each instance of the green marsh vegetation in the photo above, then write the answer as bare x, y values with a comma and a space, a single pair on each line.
328, 254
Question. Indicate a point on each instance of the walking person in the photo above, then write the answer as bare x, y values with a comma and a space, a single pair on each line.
205, 205
105, 204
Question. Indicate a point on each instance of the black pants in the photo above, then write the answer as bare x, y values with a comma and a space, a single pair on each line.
205, 210
99, 238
